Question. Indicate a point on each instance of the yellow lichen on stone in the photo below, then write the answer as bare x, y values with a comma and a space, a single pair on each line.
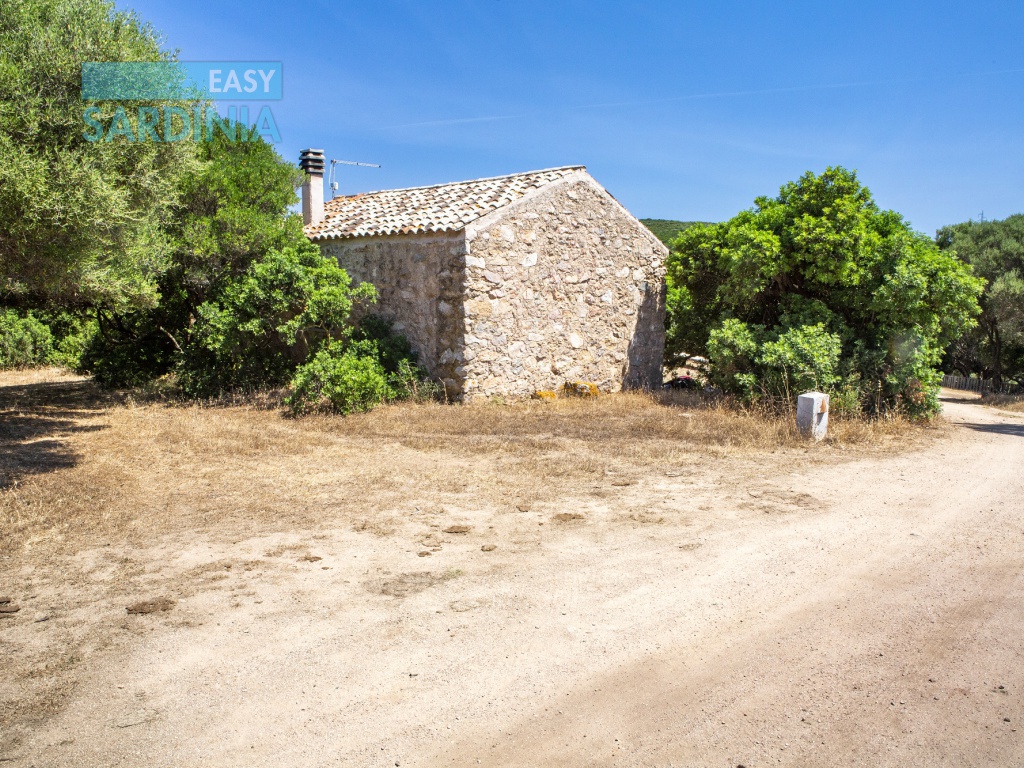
545, 394
579, 389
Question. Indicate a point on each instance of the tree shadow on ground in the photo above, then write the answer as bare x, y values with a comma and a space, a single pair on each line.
959, 396
1014, 430
36, 420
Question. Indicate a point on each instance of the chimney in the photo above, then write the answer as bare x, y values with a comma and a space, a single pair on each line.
311, 161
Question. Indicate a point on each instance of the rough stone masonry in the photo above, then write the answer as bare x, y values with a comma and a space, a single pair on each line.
510, 285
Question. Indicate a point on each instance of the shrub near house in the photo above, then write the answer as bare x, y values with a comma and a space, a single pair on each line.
819, 288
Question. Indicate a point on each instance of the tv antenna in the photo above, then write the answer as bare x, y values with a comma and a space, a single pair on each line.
332, 179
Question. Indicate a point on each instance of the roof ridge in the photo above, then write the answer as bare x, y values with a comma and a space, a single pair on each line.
444, 207
463, 181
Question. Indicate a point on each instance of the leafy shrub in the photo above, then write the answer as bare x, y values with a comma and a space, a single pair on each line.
391, 348
995, 249
376, 366
733, 346
341, 381
24, 340
229, 232
129, 354
773, 367
410, 382
801, 359
819, 288
72, 333
268, 320
376, 337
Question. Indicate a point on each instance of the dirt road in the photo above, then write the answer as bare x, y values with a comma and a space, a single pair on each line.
864, 613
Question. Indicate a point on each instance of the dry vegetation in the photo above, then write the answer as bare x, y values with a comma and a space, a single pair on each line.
79, 467
100, 491
1013, 403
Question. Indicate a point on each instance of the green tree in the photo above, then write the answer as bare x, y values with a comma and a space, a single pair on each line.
995, 249
81, 222
231, 210
819, 287
268, 320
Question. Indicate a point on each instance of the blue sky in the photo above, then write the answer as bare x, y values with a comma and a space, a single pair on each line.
682, 110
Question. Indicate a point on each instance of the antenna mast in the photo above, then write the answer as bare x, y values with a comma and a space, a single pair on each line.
333, 177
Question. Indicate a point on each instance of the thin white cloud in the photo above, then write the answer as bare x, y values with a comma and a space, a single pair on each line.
709, 95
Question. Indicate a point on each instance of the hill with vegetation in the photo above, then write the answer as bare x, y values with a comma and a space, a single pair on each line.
667, 230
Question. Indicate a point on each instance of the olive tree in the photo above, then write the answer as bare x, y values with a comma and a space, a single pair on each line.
81, 222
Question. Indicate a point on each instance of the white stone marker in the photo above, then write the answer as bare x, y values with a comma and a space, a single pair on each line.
812, 414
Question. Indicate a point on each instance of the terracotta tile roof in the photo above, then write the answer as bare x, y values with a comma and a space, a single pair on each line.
439, 208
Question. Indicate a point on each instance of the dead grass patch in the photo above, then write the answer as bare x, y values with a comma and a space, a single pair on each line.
154, 605
80, 466
1014, 403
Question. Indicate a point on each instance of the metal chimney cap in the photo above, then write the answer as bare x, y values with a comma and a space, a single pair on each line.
312, 161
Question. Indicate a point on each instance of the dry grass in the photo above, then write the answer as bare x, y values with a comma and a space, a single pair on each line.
1013, 403
80, 467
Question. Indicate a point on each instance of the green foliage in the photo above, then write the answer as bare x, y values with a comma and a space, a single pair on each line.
376, 336
410, 382
24, 340
339, 380
667, 230
81, 222
734, 348
232, 210
350, 378
801, 359
344, 376
128, 350
819, 288
232, 215
995, 250
268, 320
71, 332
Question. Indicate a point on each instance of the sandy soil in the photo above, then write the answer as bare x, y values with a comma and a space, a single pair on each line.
864, 612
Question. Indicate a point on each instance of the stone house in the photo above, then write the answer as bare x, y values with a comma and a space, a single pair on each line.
506, 285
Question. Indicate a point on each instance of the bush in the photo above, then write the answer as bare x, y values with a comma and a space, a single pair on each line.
232, 241
819, 289
24, 340
361, 374
268, 321
130, 355
995, 249
773, 367
801, 359
392, 349
72, 333
733, 347
341, 381
410, 382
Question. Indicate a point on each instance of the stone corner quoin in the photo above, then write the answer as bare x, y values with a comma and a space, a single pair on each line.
562, 284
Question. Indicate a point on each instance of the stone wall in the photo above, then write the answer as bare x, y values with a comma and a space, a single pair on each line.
564, 285
419, 286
